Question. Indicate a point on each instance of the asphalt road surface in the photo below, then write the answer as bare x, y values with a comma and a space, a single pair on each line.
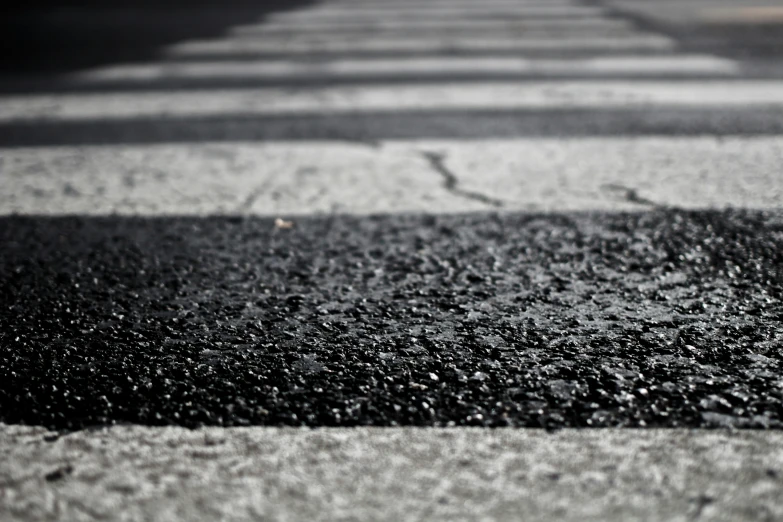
294, 262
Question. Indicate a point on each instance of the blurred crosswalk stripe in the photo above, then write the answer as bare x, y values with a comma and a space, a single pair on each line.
440, 25
420, 45
426, 97
433, 67
467, 11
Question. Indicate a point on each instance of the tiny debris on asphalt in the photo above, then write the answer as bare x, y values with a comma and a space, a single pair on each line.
666, 318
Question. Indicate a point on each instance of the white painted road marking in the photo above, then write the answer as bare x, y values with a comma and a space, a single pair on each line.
497, 31
285, 178
163, 474
421, 45
465, 11
596, 95
430, 24
422, 67
439, 4
410, 4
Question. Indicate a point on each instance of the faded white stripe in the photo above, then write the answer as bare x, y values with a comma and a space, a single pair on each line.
423, 67
597, 95
287, 178
432, 24
461, 31
363, 13
392, 7
410, 4
399, 4
308, 45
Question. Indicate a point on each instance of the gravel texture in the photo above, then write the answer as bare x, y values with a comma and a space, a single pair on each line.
665, 318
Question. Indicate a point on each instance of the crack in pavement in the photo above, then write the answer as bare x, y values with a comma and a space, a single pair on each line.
702, 501
631, 195
436, 160
250, 200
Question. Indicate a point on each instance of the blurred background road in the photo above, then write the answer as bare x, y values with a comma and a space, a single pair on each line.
399, 223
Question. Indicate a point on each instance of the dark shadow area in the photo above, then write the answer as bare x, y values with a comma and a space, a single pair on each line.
369, 127
762, 41
737, 40
50, 36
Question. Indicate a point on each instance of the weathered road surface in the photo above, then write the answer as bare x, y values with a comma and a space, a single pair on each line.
398, 224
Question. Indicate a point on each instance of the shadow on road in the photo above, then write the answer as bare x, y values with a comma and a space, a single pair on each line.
50, 36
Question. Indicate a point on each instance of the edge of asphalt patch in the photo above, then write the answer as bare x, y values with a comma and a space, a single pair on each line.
138, 473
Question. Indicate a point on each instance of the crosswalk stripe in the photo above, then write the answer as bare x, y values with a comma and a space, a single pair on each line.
421, 67
381, 9
596, 95
392, 474
481, 31
441, 25
410, 4
478, 11
421, 45
288, 178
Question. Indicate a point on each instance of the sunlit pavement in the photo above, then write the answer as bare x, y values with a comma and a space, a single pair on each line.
295, 262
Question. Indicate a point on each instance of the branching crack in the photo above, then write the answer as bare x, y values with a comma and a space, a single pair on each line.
437, 161
250, 200
702, 501
631, 195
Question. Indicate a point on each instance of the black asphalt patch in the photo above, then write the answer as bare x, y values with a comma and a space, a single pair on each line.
667, 318
376, 126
